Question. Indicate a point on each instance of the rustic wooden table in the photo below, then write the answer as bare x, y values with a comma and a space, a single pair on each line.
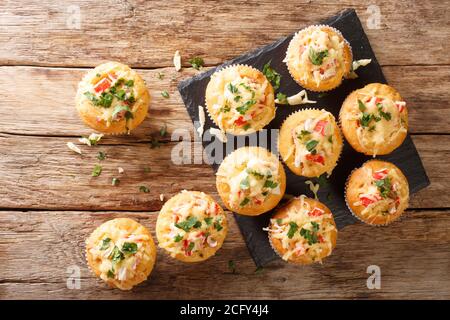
50, 203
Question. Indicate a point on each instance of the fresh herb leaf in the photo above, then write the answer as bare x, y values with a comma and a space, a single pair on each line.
244, 202
105, 243
246, 126
244, 108
160, 75
365, 119
116, 255
208, 221
101, 155
322, 180
384, 186
255, 173
187, 224
144, 189
361, 106
232, 88
120, 108
163, 131
279, 221
120, 95
97, 170
165, 94
110, 274
270, 184
309, 235
303, 134
282, 98
178, 238
273, 76
315, 226
129, 247
190, 246
218, 226
196, 62
293, 227
115, 181
385, 115
245, 184
330, 139
316, 57
232, 266
129, 83
311, 145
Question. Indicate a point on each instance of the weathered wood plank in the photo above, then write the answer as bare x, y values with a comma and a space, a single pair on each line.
42, 102
413, 256
147, 33
42, 173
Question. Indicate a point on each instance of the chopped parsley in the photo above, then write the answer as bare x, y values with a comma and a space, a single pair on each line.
273, 76
255, 173
385, 115
303, 134
293, 227
97, 170
115, 181
232, 266
282, 98
384, 186
232, 88
116, 255
361, 106
310, 235
244, 108
279, 221
178, 238
129, 247
218, 226
144, 189
105, 243
246, 126
190, 246
101, 155
244, 202
270, 184
316, 57
196, 62
163, 131
208, 221
365, 119
311, 145
160, 75
187, 224
110, 274
165, 94
121, 108
129, 83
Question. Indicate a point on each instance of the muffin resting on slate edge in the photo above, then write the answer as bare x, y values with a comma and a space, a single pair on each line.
377, 193
112, 98
318, 58
191, 226
121, 252
251, 181
310, 142
303, 231
240, 99
374, 119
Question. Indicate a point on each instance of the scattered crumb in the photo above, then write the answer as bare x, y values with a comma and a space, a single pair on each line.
161, 197
177, 60
73, 147
120, 169
92, 140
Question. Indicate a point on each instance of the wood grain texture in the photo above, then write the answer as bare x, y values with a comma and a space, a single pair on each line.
413, 256
42, 173
43, 102
147, 33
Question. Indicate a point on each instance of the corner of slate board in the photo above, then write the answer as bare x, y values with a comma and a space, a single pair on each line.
332, 194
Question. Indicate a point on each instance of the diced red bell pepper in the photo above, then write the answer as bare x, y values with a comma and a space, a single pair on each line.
315, 158
316, 212
321, 239
258, 201
101, 86
380, 174
366, 201
320, 127
378, 100
240, 121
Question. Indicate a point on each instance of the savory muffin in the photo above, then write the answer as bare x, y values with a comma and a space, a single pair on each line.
318, 58
191, 226
112, 98
240, 99
377, 193
303, 231
121, 252
251, 181
310, 142
374, 119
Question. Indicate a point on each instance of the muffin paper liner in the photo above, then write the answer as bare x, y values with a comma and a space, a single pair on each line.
311, 27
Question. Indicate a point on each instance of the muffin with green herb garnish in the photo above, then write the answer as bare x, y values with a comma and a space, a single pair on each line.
377, 193
303, 231
121, 252
310, 142
374, 119
240, 99
318, 58
251, 181
112, 98
191, 226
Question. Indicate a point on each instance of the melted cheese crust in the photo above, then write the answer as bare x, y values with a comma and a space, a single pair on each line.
322, 74
240, 99
134, 267
387, 128
105, 119
191, 226
303, 231
365, 199
251, 181
303, 130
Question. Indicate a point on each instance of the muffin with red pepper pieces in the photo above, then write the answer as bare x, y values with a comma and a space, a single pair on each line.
112, 98
240, 99
310, 142
303, 231
377, 193
318, 58
121, 252
191, 226
374, 119
251, 181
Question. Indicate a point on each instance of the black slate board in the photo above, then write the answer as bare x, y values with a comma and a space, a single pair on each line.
332, 194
